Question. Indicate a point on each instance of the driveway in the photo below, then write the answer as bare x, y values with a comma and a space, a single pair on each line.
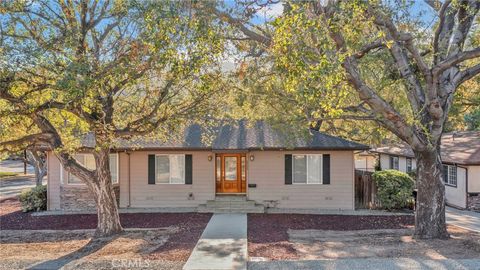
15, 166
13, 186
464, 219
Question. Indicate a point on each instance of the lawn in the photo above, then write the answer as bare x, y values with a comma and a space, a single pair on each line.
319, 237
166, 244
7, 174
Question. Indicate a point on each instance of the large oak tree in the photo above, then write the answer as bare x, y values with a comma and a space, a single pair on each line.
108, 70
370, 60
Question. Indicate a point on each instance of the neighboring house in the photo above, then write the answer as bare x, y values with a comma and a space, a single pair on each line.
256, 163
460, 153
365, 161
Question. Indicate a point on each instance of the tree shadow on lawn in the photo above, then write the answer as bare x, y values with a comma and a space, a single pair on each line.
91, 247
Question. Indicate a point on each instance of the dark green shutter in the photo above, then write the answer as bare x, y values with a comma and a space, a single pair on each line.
188, 170
288, 169
326, 169
151, 169
445, 173
391, 162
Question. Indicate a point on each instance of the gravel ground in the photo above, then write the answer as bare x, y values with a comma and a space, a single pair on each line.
268, 233
319, 237
371, 264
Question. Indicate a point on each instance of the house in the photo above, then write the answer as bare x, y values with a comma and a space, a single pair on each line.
259, 164
460, 153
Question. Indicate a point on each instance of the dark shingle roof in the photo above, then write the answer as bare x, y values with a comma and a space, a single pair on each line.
240, 136
461, 147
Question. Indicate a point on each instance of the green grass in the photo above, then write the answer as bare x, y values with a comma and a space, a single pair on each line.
7, 174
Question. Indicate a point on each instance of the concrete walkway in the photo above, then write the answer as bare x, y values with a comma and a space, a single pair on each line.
462, 218
223, 244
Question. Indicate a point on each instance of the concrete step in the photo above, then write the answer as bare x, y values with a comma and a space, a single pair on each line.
203, 208
229, 198
230, 203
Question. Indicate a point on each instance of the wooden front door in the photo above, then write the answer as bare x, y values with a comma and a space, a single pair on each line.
230, 173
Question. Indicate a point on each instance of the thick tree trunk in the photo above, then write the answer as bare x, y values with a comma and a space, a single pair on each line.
107, 209
430, 211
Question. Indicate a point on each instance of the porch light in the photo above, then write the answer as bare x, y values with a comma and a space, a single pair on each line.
210, 157
252, 157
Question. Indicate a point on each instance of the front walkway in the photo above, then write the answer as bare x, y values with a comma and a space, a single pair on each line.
463, 218
223, 244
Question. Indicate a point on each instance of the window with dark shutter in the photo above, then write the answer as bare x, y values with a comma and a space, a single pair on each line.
151, 169
188, 170
326, 169
288, 169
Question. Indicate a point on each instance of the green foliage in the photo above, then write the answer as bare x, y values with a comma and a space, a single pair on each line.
394, 188
34, 199
473, 120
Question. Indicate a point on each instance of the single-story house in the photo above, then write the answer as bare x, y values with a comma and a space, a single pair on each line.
256, 163
460, 153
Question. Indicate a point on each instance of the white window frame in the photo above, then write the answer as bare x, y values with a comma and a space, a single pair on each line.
62, 171
170, 169
452, 172
406, 164
392, 164
306, 168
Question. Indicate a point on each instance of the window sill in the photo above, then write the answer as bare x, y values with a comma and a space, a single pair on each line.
450, 185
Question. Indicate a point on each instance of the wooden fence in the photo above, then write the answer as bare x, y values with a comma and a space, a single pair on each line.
365, 191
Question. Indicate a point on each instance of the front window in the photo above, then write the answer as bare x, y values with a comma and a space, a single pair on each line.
409, 165
170, 169
307, 169
88, 161
394, 162
450, 175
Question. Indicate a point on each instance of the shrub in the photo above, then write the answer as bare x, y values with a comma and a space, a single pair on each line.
394, 189
34, 199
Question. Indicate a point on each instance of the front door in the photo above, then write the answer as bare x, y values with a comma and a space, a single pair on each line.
230, 173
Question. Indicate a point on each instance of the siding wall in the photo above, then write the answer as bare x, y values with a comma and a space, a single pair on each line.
402, 163
268, 172
53, 180
166, 195
474, 179
365, 162
456, 196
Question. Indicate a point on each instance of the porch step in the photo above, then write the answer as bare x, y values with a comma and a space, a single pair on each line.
231, 204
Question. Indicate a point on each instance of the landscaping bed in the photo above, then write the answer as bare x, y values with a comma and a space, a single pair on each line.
173, 242
313, 237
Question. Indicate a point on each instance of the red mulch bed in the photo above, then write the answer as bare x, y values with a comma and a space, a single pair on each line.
267, 233
12, 218
178, 248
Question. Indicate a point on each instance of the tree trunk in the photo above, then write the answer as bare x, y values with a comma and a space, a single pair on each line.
103, 192
37, 160
430, 210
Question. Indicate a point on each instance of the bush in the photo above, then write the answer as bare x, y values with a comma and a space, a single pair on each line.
34, 199
394, 189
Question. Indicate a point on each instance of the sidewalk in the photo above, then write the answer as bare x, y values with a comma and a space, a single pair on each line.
371, 264
223, 244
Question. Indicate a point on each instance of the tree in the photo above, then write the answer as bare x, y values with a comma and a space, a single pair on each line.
107, 70
38, 160
377, 61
